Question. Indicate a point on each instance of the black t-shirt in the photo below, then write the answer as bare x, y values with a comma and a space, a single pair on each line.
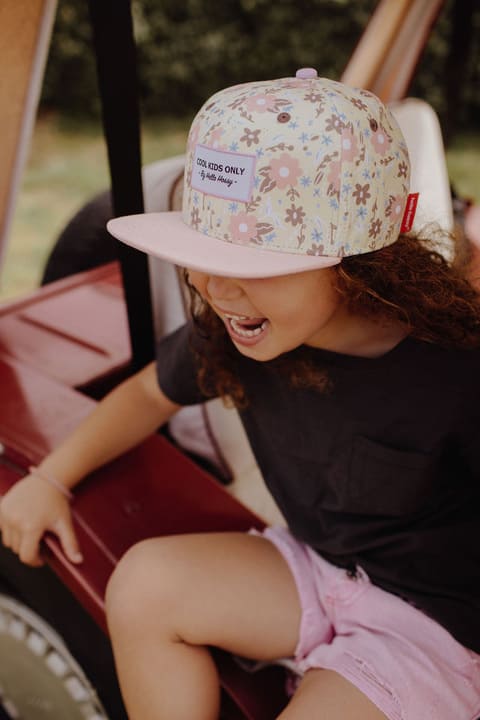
381, 471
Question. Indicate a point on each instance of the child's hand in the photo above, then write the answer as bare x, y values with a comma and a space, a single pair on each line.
31, 508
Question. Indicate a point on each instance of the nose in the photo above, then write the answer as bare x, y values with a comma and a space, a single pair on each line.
214, 287
222, 288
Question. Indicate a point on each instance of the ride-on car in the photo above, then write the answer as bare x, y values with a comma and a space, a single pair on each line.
65, 345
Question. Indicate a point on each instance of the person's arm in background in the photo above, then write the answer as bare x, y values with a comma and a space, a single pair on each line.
125, 417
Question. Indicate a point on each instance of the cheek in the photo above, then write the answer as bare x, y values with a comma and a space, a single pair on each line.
198, 280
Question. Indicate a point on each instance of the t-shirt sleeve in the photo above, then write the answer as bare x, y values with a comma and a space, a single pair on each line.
177, 366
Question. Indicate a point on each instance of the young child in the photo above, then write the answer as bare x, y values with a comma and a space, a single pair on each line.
352, 352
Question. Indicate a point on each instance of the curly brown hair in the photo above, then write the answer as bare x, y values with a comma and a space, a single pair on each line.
409, 283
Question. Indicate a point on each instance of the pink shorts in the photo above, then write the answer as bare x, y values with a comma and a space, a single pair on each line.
407, 664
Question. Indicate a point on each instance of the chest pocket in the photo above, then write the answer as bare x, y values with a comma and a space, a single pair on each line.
384, 481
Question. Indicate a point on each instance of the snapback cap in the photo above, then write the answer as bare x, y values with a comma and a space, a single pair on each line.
282, 176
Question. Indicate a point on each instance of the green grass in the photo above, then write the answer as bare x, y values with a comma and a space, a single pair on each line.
463, 161
68, 165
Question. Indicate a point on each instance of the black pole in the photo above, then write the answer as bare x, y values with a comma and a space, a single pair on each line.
117, 78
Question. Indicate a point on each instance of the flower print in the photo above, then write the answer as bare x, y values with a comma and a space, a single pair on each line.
195, 218
250, 136
285, 170
361, 193
297, 83
316, 250
313, 96
243, 228
214, 138
349, 145
380, 141
395, 207
260, 102
333, 178
375, 227
294, 215
263, 229
358, 103
402, 169
334, 123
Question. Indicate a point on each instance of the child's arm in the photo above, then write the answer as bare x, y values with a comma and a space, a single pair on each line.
125, 417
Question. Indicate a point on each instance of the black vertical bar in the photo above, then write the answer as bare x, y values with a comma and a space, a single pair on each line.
117, 78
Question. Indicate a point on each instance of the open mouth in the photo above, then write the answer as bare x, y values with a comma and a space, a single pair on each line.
246, 328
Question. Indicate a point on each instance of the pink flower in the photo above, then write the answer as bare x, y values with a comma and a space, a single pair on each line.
243, 228
395, 207
260, 103
380, 141
349, 145
285, 171
214, 139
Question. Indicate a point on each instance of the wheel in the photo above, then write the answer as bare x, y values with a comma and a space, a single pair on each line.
55, 662
39, 677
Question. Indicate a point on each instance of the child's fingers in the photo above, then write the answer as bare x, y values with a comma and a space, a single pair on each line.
11, 538
68, 540
6, 535
29, 550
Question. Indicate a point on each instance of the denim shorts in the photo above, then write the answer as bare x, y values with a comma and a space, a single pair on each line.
407, 664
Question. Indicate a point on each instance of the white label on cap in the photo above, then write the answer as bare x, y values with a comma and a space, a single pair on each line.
224, 174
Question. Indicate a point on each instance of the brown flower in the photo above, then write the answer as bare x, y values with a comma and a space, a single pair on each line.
195, 218
294, 215
313, 96
250, 136
359, 103
402, 169
334, 123
375, 227
361, 193
316, 250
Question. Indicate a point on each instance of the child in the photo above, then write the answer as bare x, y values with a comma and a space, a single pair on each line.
352, 353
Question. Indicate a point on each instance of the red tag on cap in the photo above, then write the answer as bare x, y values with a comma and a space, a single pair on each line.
409, 214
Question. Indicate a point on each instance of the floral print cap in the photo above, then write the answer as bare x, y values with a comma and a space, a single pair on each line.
283, 176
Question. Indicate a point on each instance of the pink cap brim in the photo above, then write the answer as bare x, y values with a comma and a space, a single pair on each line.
165, 235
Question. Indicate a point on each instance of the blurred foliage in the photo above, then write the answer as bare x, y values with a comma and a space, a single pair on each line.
188, 49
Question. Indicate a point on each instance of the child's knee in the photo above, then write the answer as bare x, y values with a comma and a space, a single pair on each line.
146, 583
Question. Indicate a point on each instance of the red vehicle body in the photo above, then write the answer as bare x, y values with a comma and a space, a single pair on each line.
54, 360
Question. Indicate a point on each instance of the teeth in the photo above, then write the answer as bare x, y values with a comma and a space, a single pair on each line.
236, 317
246, 333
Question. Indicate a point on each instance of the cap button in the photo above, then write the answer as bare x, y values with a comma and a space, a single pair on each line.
306, 73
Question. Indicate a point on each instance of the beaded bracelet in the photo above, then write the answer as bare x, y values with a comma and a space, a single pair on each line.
51, 480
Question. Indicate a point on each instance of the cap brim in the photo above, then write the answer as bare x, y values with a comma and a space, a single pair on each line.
165, 235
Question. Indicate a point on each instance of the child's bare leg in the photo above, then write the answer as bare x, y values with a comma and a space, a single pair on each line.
169, 597
325, 694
